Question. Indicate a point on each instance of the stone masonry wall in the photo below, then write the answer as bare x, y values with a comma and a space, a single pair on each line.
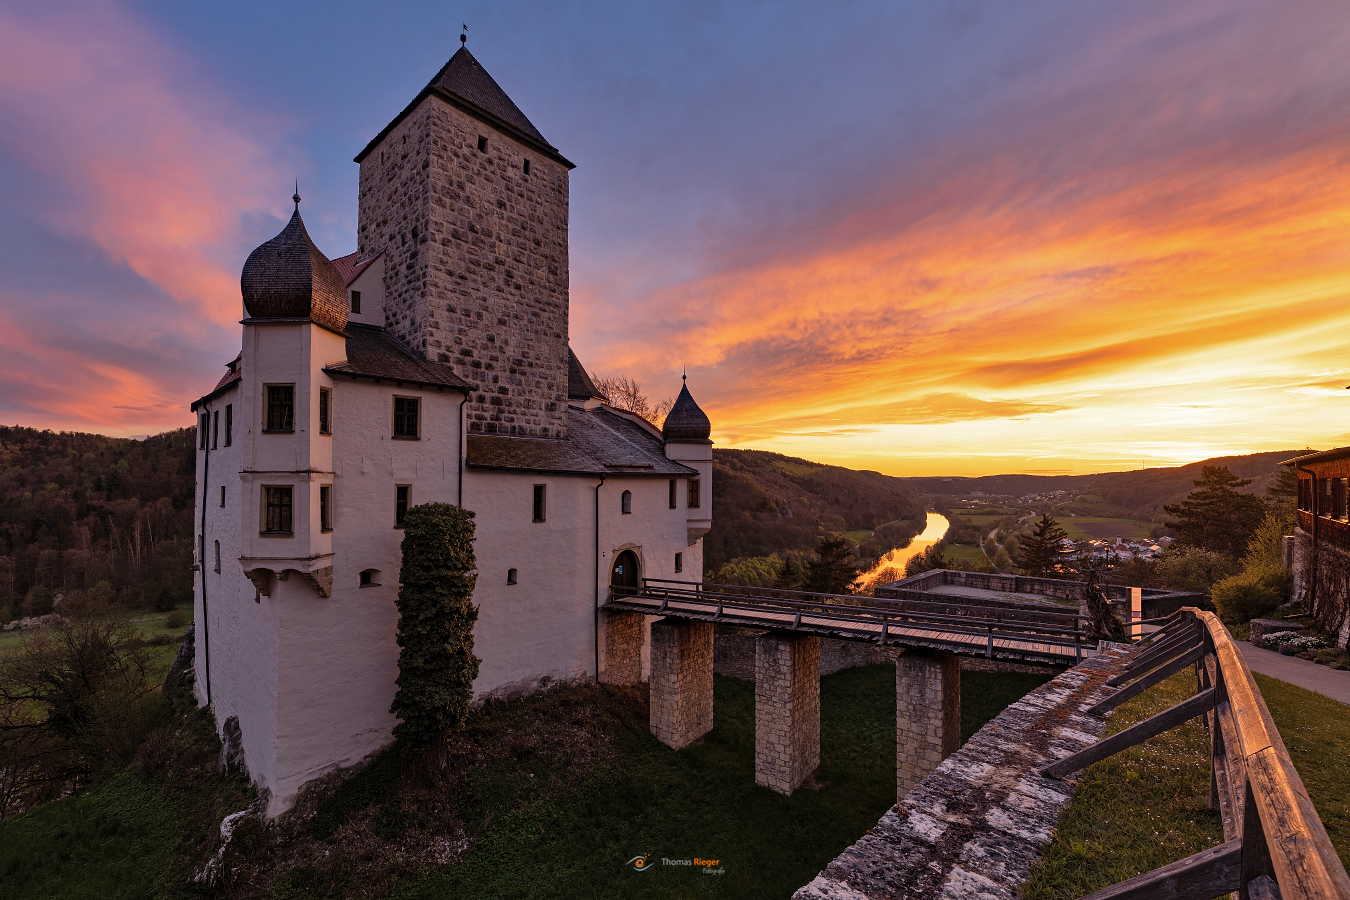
787, 710
1331, 604
476, 262
623, 648
681, 681
927, 715
974, 827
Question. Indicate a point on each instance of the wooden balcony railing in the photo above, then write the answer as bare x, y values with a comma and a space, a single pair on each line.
1275, 845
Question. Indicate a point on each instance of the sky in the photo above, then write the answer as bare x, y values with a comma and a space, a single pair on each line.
927, 238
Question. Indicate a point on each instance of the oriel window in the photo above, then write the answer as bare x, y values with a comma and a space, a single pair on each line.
325, 411
693, 493
406, 410
326, 507
277, 510
401, 499
280, 407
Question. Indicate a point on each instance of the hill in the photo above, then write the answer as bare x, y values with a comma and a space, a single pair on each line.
77, 510
766, 502
1141, 493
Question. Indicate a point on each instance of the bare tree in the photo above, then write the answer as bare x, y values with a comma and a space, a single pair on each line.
626, 394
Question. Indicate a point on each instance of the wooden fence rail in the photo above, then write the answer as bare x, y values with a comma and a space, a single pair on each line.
1275, 845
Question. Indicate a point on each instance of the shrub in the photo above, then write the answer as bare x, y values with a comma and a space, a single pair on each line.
176, 619
1193, 569
1250, 595
436, 665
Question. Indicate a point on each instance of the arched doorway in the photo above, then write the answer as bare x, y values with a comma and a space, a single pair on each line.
623, 578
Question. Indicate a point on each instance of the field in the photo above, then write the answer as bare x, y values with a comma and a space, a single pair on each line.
858, 536
153, 626
964, 552
1100, 528
536, 830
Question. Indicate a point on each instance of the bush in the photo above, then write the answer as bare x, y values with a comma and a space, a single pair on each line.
1250, 595
176, 619
1193, 569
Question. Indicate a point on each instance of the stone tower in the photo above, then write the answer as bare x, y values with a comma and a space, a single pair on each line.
468, 203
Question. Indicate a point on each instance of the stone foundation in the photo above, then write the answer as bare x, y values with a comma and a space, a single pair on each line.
623, 648
681, 681
927, 715
787, 710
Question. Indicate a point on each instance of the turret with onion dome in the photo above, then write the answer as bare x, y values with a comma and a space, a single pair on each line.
289, 278
686, 423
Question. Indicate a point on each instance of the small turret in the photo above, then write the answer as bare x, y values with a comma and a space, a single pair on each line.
686, 423
289, 278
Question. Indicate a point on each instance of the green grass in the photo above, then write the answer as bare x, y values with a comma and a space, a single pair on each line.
1149, 806
858, 536
703, 802
114, 840
963, 552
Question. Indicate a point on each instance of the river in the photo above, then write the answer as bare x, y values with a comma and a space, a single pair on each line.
933, 531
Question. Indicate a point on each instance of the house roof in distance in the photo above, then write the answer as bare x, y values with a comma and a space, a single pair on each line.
579, 384
373, 352
598, 442
464, 83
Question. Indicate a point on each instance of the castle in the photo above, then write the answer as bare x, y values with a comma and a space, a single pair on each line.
432, 365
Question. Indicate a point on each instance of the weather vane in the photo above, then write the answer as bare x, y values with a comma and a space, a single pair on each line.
464, 38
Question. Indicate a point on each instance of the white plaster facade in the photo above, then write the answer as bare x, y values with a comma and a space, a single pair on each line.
292, 640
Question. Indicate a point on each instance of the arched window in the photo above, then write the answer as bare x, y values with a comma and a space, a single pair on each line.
627, 502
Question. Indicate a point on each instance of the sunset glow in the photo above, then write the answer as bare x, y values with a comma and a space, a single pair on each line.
955, 240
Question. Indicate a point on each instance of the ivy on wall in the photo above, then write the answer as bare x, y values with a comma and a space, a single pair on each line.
436, 665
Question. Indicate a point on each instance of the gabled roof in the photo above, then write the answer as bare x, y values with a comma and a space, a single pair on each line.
352, 265
464, 83
579, 384
598, 442
233, 375
373, 352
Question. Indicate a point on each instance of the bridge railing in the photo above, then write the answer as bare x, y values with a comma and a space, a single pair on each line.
882, 624
1275, 845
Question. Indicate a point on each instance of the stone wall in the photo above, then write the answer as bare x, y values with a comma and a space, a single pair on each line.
623, 648
787, 710
476, 262
1330, 602
975, 825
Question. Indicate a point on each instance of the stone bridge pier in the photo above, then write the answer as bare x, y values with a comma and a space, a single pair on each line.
927, 714
681, 681
787, 709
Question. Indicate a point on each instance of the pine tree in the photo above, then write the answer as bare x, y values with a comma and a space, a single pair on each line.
436, 665
1215, 516
1041, 551
834, 568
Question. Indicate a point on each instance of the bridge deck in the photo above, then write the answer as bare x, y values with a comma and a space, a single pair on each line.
972, 631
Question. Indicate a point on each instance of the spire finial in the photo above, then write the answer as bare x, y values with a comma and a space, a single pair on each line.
464, 38
685, 377
296, 195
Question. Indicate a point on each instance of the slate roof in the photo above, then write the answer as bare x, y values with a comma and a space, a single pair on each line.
598, 442
352, 265
289, 278
464, 83
375, 353
579, 384
686, 423
233, 375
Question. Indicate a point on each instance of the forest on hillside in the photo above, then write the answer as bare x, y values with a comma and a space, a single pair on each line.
766, 503
84, 514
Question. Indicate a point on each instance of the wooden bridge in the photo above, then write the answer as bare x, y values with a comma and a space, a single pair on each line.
1042, 636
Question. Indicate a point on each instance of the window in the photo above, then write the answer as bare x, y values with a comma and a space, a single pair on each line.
679, 562
400, 503
277, 510
368, 578
326, 507
482, 144
405, 418
280, 407
540, 507
217, 556
1338, 498
673, 483
510, 576
525, 166
627, 502
693, 493
1324, 497
325, 411
215, 429
201, 431
229, 424
222, 496
356, 301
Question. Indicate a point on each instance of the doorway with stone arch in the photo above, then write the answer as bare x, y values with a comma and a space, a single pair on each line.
624, 576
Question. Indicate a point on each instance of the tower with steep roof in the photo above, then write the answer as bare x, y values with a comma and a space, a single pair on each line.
469, 203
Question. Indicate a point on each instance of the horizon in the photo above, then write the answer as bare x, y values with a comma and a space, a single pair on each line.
925, 240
